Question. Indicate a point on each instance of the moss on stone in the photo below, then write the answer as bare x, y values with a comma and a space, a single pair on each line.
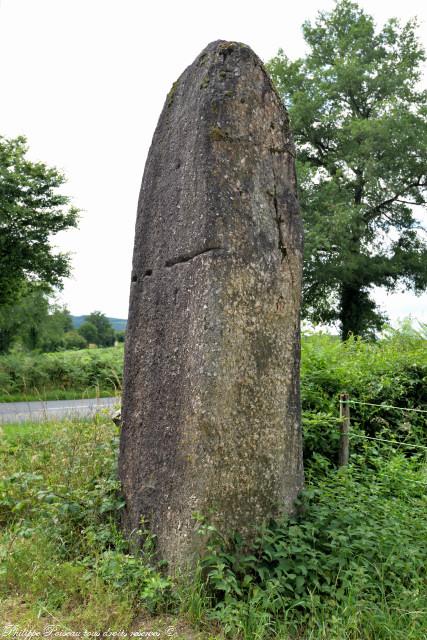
205, 82
171, 94
217, 134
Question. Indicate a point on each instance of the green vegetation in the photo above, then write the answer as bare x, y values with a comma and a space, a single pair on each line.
359, 120
351, 565
60, 543
31, 211
96, 329
392, 372
31, 271
62, 375
34, 323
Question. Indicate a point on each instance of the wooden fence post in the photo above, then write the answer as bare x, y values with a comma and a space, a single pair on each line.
345, 428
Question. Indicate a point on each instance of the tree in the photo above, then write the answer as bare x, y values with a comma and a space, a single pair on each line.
104, 329
120, 336
31, 211
89, 332
96, 329
33, 322
360, 127
55, 328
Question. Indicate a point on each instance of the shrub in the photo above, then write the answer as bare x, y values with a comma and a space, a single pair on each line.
391, 372
73, 340
353, 545
36, 374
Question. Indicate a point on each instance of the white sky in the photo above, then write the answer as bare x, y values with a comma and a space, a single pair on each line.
85, 81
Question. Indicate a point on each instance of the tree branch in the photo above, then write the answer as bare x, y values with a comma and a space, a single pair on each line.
396, 198
412, 203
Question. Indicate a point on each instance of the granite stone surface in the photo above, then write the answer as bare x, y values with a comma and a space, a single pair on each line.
211, 409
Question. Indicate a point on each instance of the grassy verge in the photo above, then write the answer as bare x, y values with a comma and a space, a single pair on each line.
60, 394
351, 566
63, 559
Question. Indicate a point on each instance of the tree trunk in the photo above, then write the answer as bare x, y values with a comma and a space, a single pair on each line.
351, 311
352, 296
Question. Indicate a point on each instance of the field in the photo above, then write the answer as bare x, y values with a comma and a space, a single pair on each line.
350, 566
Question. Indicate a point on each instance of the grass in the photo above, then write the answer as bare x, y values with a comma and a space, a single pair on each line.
63, 559
59, 394
351, 566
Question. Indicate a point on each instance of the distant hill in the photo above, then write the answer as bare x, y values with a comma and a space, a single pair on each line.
118, 324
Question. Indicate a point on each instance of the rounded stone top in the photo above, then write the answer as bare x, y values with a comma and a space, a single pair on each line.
226, 47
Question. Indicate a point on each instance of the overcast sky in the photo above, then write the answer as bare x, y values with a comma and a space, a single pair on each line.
85, 81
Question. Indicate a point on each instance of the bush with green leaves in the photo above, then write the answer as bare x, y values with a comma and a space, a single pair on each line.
352, 556
391, 372
82, 372
73, 340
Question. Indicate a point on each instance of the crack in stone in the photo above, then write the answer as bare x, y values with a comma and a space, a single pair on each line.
219, 134
282, 247
284, 149
186, 257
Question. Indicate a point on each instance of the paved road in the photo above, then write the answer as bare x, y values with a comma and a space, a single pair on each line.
52, 409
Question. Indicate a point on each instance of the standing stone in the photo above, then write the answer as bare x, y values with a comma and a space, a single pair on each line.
211, 409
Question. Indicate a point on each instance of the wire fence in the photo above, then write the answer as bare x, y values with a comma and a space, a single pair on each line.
347, 435
386, 406
396, 442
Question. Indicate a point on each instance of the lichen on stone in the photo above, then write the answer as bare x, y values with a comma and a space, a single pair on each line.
205, 82
217, 134
171, 94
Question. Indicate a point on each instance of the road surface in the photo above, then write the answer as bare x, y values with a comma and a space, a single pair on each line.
53, 409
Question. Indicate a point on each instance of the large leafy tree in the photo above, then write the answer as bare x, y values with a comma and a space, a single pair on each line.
97, 329
360, 125
31, 212
89, 332
105, 330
